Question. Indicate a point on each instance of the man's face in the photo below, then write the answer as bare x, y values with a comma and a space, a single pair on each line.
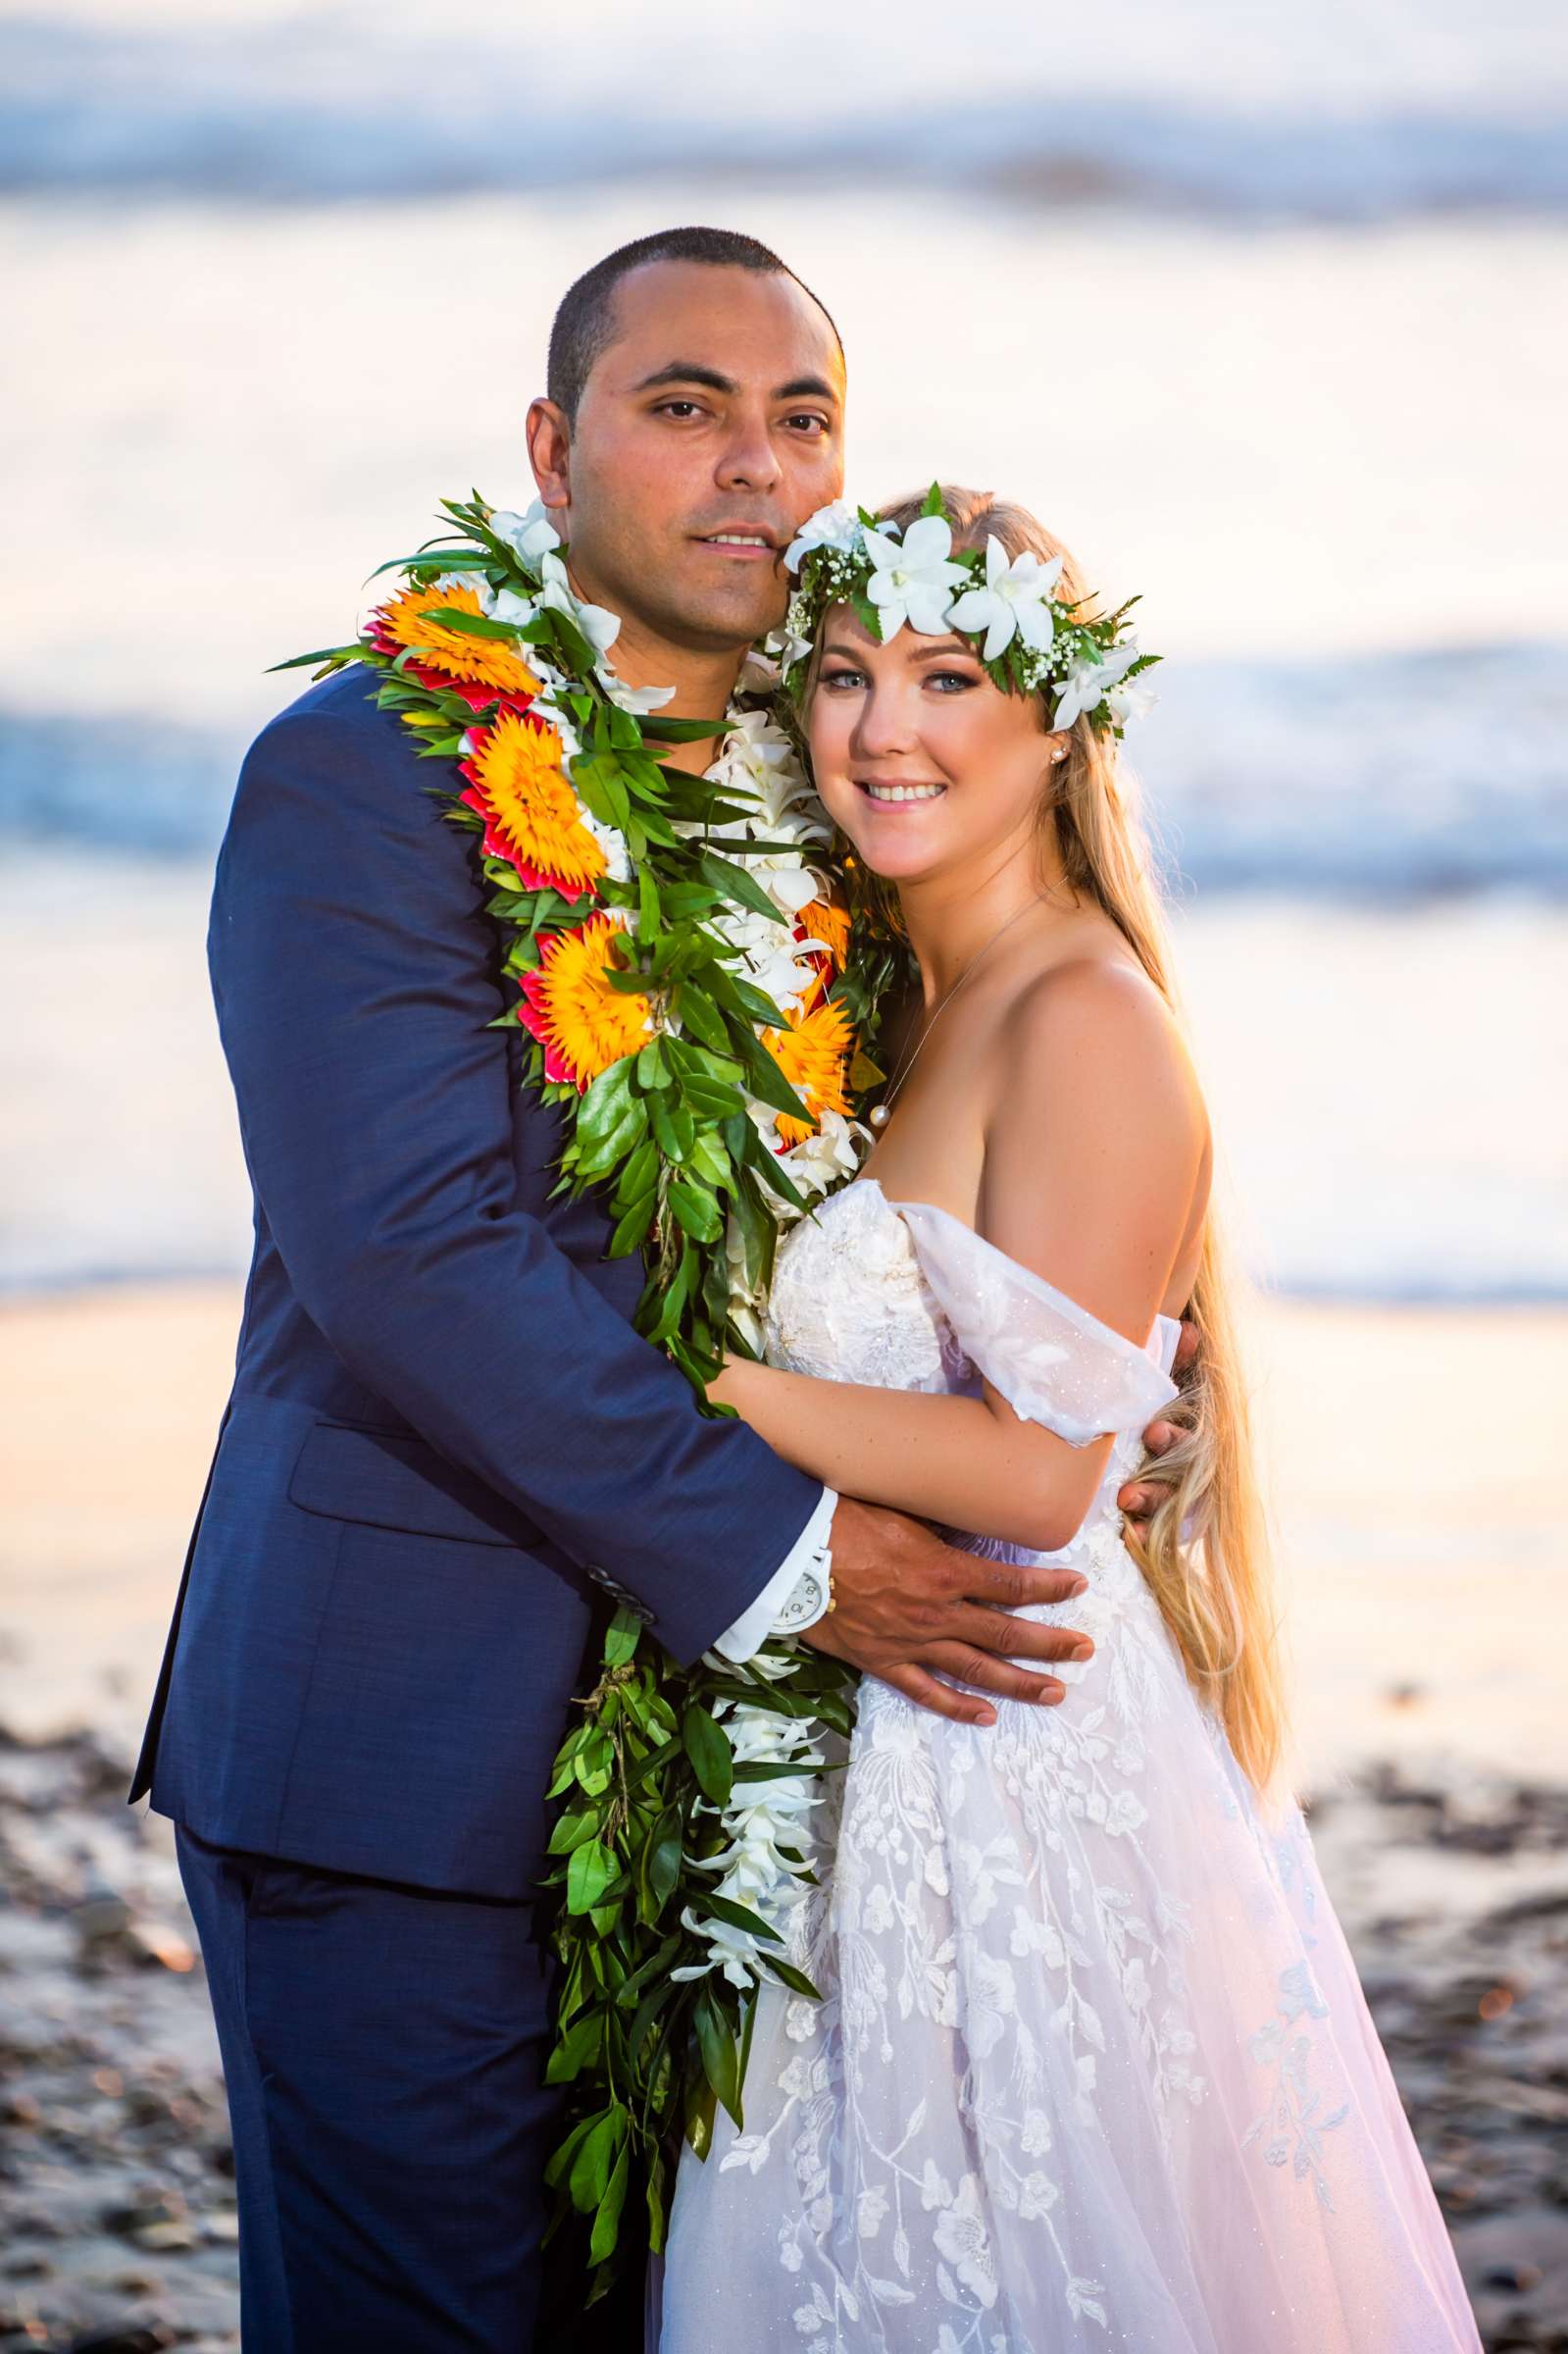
706, 434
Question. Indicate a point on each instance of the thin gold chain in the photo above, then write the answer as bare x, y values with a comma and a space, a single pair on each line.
885, 1106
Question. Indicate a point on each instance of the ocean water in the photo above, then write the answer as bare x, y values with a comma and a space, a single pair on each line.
1350, 111
1262, 312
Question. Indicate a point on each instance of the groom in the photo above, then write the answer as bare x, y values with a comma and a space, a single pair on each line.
445, 1440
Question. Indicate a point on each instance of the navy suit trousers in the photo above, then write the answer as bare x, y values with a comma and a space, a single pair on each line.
384, 2047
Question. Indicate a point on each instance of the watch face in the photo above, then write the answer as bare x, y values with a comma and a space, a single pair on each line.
805, 1603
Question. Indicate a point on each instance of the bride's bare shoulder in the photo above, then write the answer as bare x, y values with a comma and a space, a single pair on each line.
1094, 1029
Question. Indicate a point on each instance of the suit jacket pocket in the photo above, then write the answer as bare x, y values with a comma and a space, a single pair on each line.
389, 1479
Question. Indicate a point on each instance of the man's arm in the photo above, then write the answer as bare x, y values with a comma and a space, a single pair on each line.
355, 975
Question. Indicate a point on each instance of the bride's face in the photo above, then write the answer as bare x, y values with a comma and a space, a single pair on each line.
927, 766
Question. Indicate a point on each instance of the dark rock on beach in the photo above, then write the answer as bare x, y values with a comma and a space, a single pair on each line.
117, 2225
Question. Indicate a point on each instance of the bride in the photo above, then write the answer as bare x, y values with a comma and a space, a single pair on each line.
1092, 2066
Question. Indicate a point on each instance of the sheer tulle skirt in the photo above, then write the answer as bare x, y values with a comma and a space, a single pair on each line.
1093, 2067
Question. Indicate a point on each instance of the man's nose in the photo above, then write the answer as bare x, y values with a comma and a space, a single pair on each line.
749, 461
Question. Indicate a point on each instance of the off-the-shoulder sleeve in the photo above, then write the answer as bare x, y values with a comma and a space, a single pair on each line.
1051, 1361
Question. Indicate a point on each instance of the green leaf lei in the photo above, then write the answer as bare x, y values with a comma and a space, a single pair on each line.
680, 1788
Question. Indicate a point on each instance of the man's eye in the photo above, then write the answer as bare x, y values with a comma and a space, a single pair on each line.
806, 421
687, 408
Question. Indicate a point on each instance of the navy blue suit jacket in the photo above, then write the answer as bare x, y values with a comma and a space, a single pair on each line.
443, 1431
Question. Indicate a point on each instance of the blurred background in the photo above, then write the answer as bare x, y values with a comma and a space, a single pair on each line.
1264, 312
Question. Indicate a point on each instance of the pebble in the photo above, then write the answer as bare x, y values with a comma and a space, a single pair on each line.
164, 2240
1519, 2278
146, 2213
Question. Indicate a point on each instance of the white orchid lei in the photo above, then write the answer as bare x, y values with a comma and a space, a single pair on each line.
1032, 640
682, 952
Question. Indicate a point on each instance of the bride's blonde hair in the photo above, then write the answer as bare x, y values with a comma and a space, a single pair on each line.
1215, 1586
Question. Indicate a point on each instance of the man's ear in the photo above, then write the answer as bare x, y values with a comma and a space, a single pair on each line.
550, 438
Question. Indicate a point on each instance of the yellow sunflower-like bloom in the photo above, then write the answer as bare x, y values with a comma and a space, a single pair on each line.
582, 1024
531, 816
480, 661
811, 1054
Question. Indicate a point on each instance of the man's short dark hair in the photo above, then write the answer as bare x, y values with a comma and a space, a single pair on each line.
584, 324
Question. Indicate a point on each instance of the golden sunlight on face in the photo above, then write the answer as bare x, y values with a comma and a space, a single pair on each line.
928, 767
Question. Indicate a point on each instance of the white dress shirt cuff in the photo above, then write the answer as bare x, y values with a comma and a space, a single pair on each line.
808, 1560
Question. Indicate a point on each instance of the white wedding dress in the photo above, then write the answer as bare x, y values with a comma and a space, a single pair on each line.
1093, 2069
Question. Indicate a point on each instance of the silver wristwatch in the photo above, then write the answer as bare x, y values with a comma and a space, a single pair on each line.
810, 1598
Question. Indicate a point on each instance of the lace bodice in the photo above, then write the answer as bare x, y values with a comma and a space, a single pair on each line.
903, 1296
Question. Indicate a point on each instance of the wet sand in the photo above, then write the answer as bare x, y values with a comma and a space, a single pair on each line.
1412, 1455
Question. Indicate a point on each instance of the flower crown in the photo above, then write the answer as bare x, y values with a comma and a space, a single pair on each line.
1032, 641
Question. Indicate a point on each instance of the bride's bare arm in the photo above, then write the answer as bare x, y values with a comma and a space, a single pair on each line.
1094, 1151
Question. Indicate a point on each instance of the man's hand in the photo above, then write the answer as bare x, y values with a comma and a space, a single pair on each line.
911, 1609
1143, 1497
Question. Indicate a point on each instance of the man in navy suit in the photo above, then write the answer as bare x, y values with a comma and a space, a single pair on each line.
444, 1436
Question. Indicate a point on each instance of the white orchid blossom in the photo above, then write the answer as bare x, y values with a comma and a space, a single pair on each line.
792, 649
747, 1301
505, 604
792, 643
1016, 601
820, 1162
639, 701
772, 959
913, 581
598, 625
756, 757
532, 536
834, 526
1088, 683
760, 1820
1131, 700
